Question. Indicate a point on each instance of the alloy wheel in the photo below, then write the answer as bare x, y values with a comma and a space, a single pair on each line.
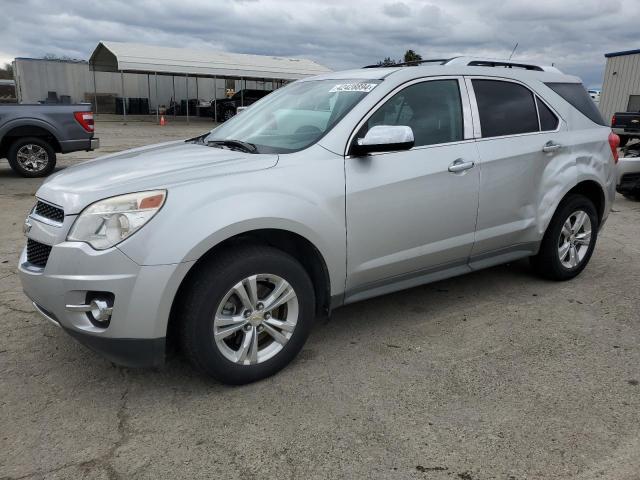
575, 239
33, 158
255, 319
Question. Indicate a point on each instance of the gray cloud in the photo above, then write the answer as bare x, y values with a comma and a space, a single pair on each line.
572, 34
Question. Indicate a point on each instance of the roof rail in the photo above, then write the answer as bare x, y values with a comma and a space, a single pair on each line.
415, 63
494, 62
475, 62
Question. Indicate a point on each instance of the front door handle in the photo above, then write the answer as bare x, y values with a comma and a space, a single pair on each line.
460, 165
550, 147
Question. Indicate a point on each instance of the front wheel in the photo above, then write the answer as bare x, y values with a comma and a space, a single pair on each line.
247, 314
569, 240
624, 139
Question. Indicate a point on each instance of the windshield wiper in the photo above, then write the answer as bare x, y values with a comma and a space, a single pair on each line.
234, 144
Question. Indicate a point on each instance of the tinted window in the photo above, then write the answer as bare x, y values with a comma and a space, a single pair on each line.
548, 119
576, 95
432, 109
505, 108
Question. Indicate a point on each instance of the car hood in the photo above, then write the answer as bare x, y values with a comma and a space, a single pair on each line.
146, 168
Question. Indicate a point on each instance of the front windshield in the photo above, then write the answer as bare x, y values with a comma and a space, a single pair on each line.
294, 117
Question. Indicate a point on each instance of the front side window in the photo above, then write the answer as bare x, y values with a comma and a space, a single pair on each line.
294, 117
505, 108
432, 109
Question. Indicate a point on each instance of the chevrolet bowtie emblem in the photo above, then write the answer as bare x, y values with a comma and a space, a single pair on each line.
26, 227
635, 121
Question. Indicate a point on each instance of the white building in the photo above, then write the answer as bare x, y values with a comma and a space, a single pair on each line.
621, 85
150, 77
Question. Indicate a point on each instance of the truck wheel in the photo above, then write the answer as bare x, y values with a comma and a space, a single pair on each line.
569, 241
32, 157
228, 114
623, 140
246, 314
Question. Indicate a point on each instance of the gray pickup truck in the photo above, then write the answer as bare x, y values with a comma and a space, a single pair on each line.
31, 135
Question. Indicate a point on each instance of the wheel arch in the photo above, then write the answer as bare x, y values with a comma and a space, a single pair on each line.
28, 130
287, 241
594, 192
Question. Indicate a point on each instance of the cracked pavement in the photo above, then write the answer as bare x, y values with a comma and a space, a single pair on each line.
495, 375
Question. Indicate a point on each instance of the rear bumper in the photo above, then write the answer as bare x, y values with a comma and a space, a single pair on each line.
626, 133
87, 144
628, 175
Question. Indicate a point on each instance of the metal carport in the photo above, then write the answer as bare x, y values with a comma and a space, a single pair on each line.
133, 58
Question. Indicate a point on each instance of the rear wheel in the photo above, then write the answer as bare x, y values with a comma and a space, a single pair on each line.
247, 314
228, 114
32, 157
569, 240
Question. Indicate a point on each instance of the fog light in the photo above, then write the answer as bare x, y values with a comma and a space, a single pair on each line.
99, 309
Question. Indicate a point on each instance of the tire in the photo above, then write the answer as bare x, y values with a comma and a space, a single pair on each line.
624, 139
207, 297
228, 114
32, 157
548, 262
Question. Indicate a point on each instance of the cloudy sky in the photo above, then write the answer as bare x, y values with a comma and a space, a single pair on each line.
572, 34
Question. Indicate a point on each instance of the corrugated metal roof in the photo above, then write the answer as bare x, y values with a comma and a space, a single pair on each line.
135, 57
620, 54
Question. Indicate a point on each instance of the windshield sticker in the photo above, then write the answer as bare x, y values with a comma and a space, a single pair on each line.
353, 87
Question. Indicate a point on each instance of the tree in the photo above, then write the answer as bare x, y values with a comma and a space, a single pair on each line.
411, 56
387, 62
6, 72
53, 56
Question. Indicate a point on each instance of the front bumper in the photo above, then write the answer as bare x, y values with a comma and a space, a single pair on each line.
142, 298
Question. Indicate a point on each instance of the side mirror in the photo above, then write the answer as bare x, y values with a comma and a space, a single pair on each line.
384, 138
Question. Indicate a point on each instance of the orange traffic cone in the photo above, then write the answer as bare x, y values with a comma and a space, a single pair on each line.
162, 121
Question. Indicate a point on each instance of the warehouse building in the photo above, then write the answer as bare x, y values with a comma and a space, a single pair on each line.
137, 79
621, 84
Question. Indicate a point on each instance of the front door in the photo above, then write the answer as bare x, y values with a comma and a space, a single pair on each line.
413, 212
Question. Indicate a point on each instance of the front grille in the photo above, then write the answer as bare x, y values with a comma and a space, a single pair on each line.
49, 211
37, 253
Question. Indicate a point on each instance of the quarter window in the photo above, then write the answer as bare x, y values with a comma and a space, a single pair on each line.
505, 108
432, 109
548, 119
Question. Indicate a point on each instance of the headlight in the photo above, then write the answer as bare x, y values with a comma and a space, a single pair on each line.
108, 222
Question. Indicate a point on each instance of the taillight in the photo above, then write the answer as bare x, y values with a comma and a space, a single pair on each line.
614, 143
613, 120
85, 119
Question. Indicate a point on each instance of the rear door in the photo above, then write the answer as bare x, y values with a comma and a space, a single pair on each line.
413, 212
518, 137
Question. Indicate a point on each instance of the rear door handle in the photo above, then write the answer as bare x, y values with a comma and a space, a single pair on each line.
550, 147
460, 165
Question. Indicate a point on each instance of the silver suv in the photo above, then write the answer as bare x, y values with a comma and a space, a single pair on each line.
331, 190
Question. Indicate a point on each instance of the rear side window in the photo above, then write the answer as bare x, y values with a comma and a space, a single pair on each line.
577, 95
548, 119
505, 108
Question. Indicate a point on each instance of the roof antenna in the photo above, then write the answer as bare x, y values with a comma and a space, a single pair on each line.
513, 51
